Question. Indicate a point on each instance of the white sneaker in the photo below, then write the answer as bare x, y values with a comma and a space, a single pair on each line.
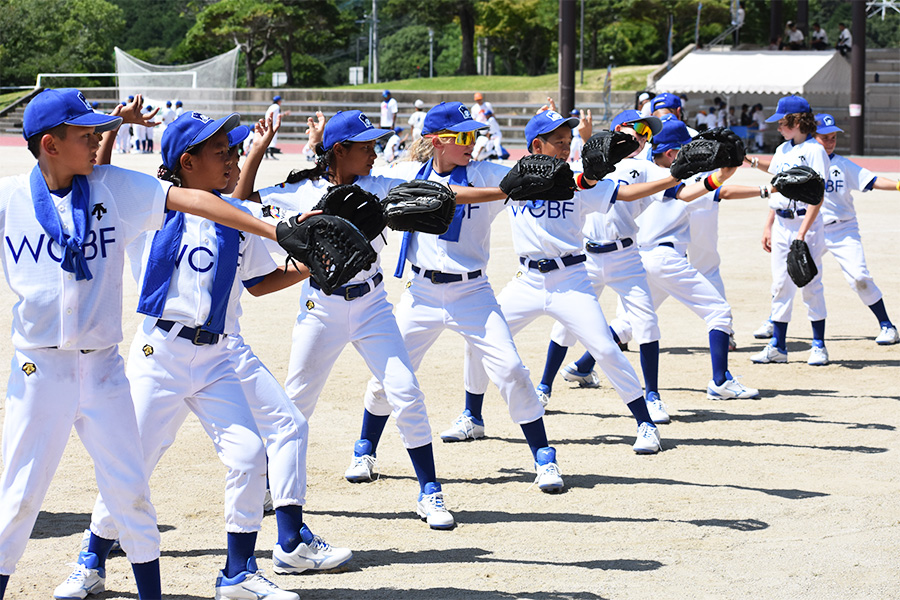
765, 331
769, 354
313, 553
543, 394
86, 579
250, 585
585, 380
818, 356
729, 390
466, 427
887, 336
657, 409
549, 477
648, 440
362, 465
431, 509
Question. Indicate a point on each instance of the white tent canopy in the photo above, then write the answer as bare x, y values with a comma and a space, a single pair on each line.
758, 72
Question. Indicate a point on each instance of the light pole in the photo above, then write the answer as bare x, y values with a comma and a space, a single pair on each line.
430, 52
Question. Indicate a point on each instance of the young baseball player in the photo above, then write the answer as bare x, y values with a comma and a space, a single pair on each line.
66, 225
787, 220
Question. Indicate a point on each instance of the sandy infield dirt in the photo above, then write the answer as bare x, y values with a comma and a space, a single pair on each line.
793, 495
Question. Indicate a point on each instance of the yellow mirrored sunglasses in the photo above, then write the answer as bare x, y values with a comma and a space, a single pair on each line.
463, 138
642, 129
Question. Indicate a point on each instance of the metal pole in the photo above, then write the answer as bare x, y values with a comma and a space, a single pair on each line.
430, 52
858, 79
697, 27
374, 41
581, 51
776, 24
370, 52
566, 56
803, 19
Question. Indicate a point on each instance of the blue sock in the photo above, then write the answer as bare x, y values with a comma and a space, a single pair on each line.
718, 351
289, 520
586, 363
101, 547
881, 313
779, 335
535, 435
650, 366
4, 579
474, 402
638, 408
372, 428
146, 576
423, 462
556, 354
240, 549
818, 328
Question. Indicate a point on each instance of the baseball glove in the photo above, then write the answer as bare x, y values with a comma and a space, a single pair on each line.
539, 177
420, 205
332, 247
603, 150
699, 156
800, 265
733, 143
800, 183
358, 206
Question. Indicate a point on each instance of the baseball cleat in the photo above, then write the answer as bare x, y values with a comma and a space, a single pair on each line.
250, 585
657, 409
362, 465
585, 380
818, 356
431, 509
729, 390
769, 354
648, 440
549, 477
313, 553
466, 427
887, 336
543, 394
765, 331
87, 578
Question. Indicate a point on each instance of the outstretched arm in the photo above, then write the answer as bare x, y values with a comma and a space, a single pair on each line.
264, 131
280, 278
207, 205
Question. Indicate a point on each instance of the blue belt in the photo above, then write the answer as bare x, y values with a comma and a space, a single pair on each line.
352, 292
667, 244
439, 277
198, 336
787, 213
595, 248
545, 265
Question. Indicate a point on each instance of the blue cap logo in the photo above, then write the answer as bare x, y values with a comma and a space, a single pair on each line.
200, 117
464, 112
365, 121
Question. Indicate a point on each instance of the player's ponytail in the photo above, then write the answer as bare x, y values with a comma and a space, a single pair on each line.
167, 174
421, 150
324, 159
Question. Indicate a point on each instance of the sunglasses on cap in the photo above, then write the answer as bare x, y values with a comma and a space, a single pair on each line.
463, 138
641, 129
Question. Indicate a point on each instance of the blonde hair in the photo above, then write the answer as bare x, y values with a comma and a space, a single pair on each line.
421, 150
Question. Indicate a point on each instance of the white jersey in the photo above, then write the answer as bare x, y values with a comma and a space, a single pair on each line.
479, 109
844, 176
389, 110
166, 116
54, 309
416, 120
809, 153
667, 220
619, 223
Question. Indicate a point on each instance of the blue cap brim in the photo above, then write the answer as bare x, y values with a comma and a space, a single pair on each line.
98, 121
775, 118
370, 134
213, 127
467, 126
832, 129
238, 135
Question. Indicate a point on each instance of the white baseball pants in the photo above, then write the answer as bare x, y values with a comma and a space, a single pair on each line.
842, 239
783, 288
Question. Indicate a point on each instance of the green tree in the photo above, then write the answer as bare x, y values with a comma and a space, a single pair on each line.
404, 54
522, 33
437, 14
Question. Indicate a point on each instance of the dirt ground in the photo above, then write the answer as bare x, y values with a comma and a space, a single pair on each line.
793, 495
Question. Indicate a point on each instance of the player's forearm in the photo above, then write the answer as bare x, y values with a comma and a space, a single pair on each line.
812, 211
636, 191
279, 279
738, 192
254, 158
883, 183
107, 143
207, 205
474, 195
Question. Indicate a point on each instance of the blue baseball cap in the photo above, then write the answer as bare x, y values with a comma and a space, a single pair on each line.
190, 129
276, 98
351, 126
68, 106
178, 103
545, 122
450, 116
169, 103
674, 134
632, 116
238, 135
665, 100
385, 93
825, 124
789, 105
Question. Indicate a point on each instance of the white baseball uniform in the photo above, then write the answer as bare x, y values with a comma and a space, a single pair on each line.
273, 112
66, 369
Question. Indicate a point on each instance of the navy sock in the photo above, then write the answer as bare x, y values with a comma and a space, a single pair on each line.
881, 313
372, 428
535, 435
586, 363
423, 462
718, 351
289, 520
240, 549
474, 402
779, 335
4, 579
650, 366
818, 328
638, 408
146, 576
101, 547
556, 354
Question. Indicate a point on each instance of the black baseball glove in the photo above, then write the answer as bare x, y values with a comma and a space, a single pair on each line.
800, 183
604, 150
800, 264
358, 206
539, 177
699, 156
420, 205
733, 143
332, 247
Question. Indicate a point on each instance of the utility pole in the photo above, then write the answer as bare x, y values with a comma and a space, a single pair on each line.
374, 41
858, 79
430, 52
566, 56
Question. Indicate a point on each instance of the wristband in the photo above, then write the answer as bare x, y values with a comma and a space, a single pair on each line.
715, 180
764, 191
754, 162
898, 185
710, 184
581, 184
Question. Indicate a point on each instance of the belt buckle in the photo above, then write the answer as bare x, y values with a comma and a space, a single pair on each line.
349, 289
196, 339
433, 280
546, 265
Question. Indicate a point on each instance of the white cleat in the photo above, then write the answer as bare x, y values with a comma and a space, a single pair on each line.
431, 509
466, 427
769, 354
313, 553
818, 356
648, 440
765, 331
87, 578
887, 336
730, 390
571, 374
362, 465
250, 585
543, 394
549, 477
657, 409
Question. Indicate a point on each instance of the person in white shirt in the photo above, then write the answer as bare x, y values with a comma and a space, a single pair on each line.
819, 38
795, 39
389, 110
275, 115
845, 40
480, 108
417, 119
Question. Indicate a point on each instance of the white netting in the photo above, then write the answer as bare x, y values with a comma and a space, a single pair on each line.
206, 86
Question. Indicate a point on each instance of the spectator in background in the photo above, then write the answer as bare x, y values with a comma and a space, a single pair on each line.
394, 145
795, 38
746, 120
733, 119
819, 38
480, 107
643, 104
845, 40
577, 141
167, 115
274, 113
417, 119
179, 108
759, 119
389, 110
